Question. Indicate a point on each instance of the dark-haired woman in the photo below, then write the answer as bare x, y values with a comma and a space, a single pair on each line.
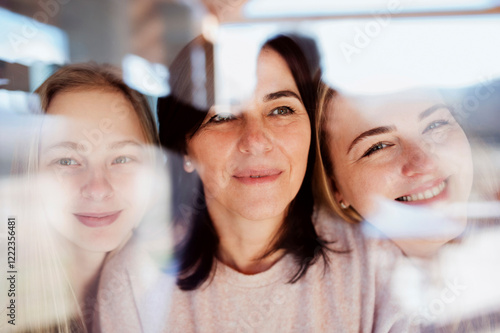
251, 258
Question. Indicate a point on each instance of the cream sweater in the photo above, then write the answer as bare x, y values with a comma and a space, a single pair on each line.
350, 294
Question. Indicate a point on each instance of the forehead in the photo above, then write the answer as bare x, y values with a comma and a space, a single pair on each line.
273, 73
92, 113
383, 110
88, 104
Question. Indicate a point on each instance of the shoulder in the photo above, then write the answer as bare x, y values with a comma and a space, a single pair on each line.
130, 286
357, 237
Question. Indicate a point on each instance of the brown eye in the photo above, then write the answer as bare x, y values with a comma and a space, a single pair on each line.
220, 118
282, 110
376, 147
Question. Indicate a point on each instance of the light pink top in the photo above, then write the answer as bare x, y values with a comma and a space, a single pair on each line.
351, 294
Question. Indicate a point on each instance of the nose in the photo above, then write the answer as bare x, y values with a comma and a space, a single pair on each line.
255, 138
419, 159
97, 186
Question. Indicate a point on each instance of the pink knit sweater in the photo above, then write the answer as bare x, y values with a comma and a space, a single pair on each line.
350, 294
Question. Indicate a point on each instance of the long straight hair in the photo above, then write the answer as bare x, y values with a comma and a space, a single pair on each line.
46, 300
180, 119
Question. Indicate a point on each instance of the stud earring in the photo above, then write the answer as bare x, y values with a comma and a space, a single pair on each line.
342, 205
188, 165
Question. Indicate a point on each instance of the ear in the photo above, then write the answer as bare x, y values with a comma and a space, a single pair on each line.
339, 197
188, 164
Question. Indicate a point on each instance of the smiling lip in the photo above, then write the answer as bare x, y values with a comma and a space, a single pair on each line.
426, 194
260, 176
95, 220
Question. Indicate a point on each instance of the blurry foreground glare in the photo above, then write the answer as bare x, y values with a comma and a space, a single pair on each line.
400, 221
235, 61
147, 78
464, 284
209, 27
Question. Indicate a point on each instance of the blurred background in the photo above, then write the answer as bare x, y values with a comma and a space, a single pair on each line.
366, 47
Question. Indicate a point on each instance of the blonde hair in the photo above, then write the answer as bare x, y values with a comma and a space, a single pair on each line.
91, 76
47, 302
324, 183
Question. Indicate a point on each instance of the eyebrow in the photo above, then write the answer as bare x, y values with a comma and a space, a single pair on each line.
121, 144
431, 110
64, 144
76, 146
372, 132
279, 94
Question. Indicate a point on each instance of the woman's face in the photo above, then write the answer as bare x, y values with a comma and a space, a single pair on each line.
93, 167
406, 148
253, 157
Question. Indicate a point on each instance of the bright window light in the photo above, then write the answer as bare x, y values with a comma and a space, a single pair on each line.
145, 77
300, 8
25, 40
373, 56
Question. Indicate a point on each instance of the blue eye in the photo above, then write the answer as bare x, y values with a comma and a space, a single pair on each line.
282, 110
436, 124
122, 160
376, 147
66, 162
222, 117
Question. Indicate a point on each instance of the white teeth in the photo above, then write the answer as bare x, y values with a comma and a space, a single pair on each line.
427, 194
255, 176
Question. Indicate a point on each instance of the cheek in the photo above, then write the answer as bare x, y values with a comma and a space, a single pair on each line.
461, 149
211, 158
299, 155
455, 153
361, 186
210, 165
295, 143
130, 187
63, 186
456, 159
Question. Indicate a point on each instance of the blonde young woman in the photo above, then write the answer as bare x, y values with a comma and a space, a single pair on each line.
89, 170
387, 159
403, 163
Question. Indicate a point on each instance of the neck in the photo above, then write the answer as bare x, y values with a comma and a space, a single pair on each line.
243, 242
420, 248
84, 276
83, 270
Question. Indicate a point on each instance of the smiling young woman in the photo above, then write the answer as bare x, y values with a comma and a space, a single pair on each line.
89, 168
379, 154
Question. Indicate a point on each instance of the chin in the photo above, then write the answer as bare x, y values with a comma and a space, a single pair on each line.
102, 246
259, 213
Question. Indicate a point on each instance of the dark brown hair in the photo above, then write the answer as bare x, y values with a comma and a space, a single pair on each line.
180, 119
